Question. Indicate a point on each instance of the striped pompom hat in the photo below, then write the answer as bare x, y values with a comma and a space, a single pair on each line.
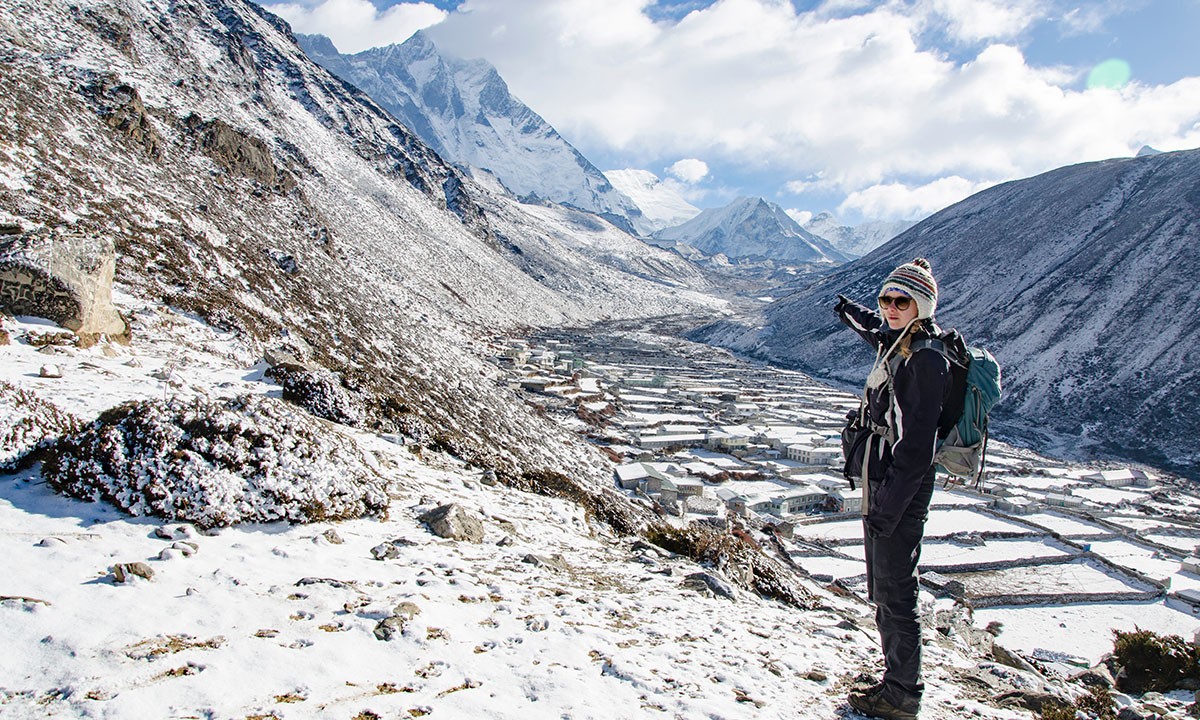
915, 279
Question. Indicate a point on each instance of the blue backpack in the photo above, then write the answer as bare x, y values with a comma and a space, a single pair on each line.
963, 426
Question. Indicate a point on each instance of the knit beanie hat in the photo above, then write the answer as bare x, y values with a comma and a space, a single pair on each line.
916, 280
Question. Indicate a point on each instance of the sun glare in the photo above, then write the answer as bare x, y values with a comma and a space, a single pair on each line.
1112, 73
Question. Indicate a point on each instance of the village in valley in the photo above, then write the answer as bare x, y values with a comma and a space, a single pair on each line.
705, 436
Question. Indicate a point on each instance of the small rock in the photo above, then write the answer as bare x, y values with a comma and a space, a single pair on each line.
50, 371
488, 477
707, 582
649, 549
1033, 700
124, 572
389, 628
175, 531
169, 554
1131, 713
1011, 659
816, 676
332, 536
1155, 702
108, 351
187, 548
386, 551
454, 523
133, 363
555, 561
1098, 675
51, 542
506, 541
406, 610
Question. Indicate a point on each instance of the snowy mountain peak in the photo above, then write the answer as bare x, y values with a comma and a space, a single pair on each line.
465, 111
857, 240
750, 228
661, 204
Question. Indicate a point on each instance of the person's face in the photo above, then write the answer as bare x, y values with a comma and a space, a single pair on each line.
897, 309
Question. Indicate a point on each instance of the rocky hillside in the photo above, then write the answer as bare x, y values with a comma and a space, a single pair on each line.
239, 181
1081, 281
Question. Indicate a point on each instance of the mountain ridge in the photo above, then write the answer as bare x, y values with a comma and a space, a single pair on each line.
750, 228
1076, 279
464, 110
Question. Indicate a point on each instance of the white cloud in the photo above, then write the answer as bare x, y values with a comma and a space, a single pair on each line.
975, 20
800, 216
846, 98
355, 25
689, 170
899, 201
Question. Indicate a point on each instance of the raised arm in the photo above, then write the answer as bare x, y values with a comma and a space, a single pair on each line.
860, 319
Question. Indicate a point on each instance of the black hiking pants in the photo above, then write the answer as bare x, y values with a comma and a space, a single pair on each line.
892, 586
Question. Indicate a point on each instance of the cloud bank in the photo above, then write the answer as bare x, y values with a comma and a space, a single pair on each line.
854, 93
355, 25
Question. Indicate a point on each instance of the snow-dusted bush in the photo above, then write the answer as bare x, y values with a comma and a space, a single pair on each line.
217, 462
28, 424
318, 391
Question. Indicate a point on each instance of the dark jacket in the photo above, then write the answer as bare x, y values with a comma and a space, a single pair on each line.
908, 406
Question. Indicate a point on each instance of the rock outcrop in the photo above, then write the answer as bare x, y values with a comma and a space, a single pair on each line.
64, 277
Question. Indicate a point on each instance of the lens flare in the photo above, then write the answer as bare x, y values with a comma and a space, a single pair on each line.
1112, 73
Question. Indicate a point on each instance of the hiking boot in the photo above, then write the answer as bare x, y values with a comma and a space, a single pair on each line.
873, 704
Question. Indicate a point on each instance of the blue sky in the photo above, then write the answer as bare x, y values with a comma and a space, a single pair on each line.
866, 108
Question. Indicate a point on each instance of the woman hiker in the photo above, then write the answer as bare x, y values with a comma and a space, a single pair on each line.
903, 399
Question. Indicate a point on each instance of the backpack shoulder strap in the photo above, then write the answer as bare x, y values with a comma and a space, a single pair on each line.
940, 346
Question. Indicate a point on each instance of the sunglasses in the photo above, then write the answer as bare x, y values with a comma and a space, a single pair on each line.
901, 302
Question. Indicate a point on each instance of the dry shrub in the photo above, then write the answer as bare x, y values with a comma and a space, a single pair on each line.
1148, 661
217, 462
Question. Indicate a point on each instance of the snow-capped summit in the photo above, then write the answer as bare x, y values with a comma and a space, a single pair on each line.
463, 109
662, 207
856, 240
751, 229
1080, 280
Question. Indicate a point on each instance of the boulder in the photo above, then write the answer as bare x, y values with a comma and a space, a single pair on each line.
125, 572
707, 582
1097, 675
555, 561
64, 277
1034, 700
454, 522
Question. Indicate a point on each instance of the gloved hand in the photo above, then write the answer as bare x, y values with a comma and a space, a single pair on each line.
842, 302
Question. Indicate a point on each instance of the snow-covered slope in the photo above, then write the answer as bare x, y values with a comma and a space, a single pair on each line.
245, 184
752, 229
856, 240
551, 615
464, 110
1082, 282
662, 207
